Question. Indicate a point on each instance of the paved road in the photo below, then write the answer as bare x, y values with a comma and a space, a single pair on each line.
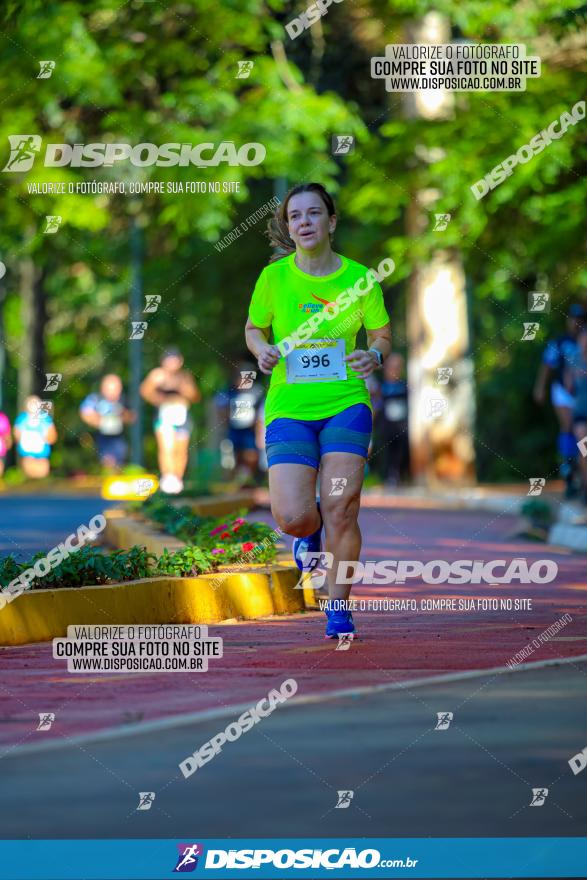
29, 524
394, 646
511, 731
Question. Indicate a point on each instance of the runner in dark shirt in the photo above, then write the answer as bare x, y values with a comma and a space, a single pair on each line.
393, 422
240, 405
576, 377
555, 361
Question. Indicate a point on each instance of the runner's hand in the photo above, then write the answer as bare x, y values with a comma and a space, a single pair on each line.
267, 358
362, 362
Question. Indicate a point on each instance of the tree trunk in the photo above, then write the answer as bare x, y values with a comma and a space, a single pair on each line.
31, 373
440, 372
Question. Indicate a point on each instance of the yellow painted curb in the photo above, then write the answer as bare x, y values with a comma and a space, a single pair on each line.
223, 506
42, 615
124, 532
253, 592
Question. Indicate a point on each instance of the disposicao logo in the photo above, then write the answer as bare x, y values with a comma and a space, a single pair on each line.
187, 859
25, 147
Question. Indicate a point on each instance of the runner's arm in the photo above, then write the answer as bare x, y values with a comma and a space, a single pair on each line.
365, 362
257, 342
51, 434
89, 415
189, 388
380, 339
148, 389
256, 337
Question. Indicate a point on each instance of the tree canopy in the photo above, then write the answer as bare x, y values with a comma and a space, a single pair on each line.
143, 72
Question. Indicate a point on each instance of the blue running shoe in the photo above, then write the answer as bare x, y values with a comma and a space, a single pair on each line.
339, 623
311, 544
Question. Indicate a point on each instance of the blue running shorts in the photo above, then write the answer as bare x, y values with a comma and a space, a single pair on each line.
242, 438
300, 441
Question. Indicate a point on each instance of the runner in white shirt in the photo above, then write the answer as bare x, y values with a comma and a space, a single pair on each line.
172, 390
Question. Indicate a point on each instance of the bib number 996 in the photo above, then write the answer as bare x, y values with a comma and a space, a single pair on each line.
315, 360
320, 361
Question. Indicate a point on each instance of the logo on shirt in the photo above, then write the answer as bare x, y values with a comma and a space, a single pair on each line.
312, 308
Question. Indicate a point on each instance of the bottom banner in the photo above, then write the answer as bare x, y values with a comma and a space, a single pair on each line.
457, 857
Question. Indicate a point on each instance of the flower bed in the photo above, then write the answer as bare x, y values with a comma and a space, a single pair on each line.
211, 542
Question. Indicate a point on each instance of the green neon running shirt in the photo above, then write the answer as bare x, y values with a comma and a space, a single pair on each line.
284, 298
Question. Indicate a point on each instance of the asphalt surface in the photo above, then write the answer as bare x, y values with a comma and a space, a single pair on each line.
510, 733
117, 735
30, 523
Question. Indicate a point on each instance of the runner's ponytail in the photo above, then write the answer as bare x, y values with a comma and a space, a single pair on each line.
277, 228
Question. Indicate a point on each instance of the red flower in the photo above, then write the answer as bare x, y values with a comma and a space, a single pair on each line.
248, 545
225, 535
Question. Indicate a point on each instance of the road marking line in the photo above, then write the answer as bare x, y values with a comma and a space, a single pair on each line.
160, 724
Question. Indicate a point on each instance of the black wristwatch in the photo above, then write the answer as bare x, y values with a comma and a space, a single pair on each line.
379, 356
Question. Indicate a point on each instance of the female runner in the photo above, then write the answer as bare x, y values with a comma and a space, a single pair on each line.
317, 413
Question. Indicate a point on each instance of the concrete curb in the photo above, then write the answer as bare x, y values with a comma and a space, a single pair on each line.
124, 532
42, 615
218, 505
255, 591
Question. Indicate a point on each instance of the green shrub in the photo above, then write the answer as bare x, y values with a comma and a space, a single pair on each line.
538, 511
9, 569
212, 542
85, 567
90, 565
13, 476
191, 561
226, 535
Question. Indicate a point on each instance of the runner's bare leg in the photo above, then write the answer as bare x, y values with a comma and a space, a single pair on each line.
340, 513
293, 498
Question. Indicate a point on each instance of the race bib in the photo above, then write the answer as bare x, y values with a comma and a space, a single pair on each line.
173, 414
110, 424
396, 410
32, 441
322, 360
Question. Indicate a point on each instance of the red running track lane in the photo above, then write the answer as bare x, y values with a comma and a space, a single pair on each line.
258, 656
